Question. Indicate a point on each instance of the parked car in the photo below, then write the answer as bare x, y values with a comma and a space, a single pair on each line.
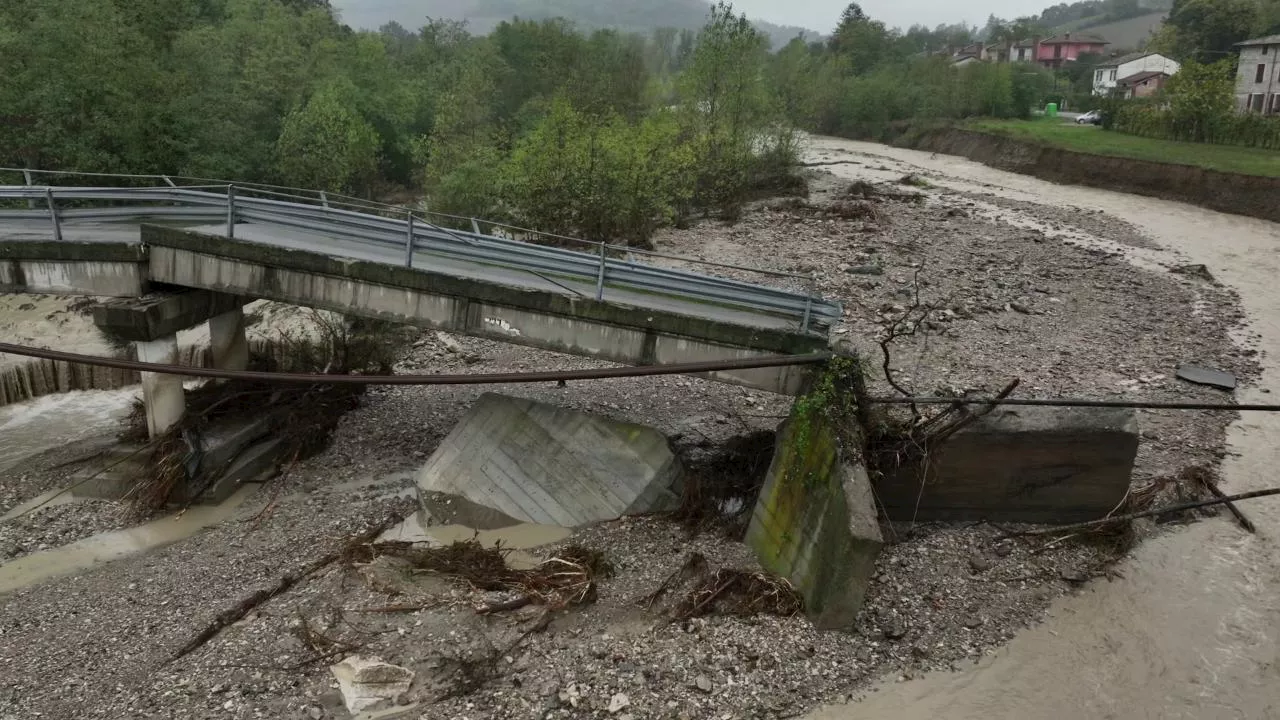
1093, 117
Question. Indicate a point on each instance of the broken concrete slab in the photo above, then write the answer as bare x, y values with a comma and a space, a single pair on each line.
1025, 464
368, 684
225, 457
513, 459
815, 521
162, 314
1205, 376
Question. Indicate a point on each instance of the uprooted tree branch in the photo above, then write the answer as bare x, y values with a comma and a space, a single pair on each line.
303, 416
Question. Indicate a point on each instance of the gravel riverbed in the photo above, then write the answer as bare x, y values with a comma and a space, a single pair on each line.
1045, 295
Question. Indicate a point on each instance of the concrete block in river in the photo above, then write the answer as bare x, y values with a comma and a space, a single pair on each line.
512, 460
815, 521
1023, 464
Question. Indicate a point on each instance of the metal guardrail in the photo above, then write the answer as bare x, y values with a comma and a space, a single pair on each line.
334, 217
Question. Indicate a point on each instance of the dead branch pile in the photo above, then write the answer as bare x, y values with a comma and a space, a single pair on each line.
855, 210
567, 579
304, 417
704, 590
863, 190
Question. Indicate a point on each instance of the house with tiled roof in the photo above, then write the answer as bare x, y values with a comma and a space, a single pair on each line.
1107, 77
1055, 51
1141, 85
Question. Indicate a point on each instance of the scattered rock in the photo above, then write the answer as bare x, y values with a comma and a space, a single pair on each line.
973, 622
618, 703
449, 344
1197, 271
1020, 308
1074, 576
368, 683
895, 630
866, 270
980, 563
703, 683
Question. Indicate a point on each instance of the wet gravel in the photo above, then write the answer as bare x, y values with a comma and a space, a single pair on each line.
1048, 306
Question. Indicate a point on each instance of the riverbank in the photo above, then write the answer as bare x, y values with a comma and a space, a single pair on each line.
1187, 628
1229, 192
1093, 140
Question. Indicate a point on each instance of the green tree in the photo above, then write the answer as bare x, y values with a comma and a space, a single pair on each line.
863, 41
327, 145
1206, 30
71, 103
726, 104
1200, 99
599, 177
792, 75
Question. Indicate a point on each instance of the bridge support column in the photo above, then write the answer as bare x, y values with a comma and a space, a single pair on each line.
227, 341
163, 395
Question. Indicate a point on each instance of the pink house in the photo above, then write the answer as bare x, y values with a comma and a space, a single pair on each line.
1052, 52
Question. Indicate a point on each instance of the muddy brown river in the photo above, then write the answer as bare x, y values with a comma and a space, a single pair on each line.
1192, 628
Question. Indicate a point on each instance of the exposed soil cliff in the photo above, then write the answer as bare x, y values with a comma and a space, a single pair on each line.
1250, 195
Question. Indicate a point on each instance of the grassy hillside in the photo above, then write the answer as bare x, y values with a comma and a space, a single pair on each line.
482, 15
1124, 34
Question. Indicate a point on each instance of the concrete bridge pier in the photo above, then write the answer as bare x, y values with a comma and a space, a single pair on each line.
163, 395
152, 323
228, 343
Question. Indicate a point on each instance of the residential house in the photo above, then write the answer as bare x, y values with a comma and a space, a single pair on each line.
1141, 85
1107, 76
998, 52
1054, 52
1024, 51
1257, 84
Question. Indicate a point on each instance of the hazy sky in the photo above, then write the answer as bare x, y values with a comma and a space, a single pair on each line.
822, 15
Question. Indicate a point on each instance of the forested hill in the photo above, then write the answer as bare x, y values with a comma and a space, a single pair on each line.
483, 15
1092, 13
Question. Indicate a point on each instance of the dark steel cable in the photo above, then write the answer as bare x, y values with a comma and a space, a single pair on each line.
1072, 402
767, 361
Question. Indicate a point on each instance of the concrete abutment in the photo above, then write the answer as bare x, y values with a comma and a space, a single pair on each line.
817, 521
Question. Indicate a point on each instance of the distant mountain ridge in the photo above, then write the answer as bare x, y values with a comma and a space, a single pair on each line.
482, 16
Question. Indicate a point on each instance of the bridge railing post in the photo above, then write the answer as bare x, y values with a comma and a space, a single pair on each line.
53, 215
600, 275
808, 301
231, 211
475, 227
408, 241
26, 177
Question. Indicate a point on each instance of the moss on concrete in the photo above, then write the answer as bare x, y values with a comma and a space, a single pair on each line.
815, 522
68, 251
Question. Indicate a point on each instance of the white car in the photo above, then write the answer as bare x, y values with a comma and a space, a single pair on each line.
1093, 117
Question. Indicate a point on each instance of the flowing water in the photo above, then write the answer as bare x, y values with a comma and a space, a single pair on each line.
30, 428
1191, 629
105, 547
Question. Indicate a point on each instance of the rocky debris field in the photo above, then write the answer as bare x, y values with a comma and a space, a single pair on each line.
1049, 306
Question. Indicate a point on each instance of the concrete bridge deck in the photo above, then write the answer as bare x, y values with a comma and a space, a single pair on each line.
468, 283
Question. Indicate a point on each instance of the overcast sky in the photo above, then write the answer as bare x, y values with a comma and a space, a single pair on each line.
822, 15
